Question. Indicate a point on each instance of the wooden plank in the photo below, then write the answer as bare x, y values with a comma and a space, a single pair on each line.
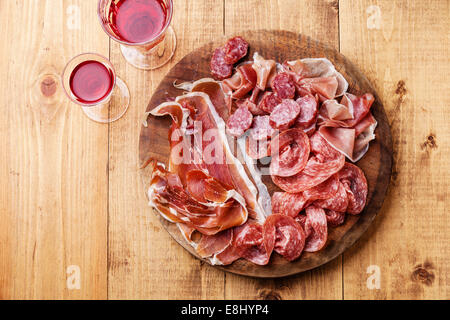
53, 176
144, 261
402, 46
318, 19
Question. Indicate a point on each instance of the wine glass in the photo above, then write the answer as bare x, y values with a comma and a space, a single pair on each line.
89, 80
142, 27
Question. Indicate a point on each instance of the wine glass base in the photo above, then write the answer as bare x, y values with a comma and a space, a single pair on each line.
156, 57
114, 109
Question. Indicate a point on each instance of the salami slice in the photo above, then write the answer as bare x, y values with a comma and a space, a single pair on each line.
287, 234
239, 122
251, 243
355, 184
283, 86
235, 49
308, 111
325, 163
316, 217
269, 101
290, 151
283, 116
289, 204
306, 225
338, 202
261, 128
335, 218
219, 68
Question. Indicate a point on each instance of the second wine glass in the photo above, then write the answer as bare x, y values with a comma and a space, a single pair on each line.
142, 27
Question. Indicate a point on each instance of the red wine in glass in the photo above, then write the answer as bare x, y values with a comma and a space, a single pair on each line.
91, 82
137, 21
142, 27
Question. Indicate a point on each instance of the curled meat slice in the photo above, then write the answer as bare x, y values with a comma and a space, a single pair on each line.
251, 243
251, 106
239, 122
213, 244
355, 184
326, 87
263, 69
290, 151
335, 218
242, 82
235, 49
317, 220
269, 101
220, 69
283, 86
261, 128
283, 115
287, 235
204, 188
303, 221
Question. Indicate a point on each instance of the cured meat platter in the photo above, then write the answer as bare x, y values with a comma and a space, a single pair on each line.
279, 46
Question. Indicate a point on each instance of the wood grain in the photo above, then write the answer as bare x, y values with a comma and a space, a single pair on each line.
144, 262
56, 159
407, 60
53, 174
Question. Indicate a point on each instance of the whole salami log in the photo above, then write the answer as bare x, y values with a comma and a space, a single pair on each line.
287, 235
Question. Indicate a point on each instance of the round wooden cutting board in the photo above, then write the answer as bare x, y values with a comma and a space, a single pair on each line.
280, 46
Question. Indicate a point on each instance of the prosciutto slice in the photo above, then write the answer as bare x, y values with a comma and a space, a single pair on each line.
263, 68
243, 81
348, 126
212, 148
168, 197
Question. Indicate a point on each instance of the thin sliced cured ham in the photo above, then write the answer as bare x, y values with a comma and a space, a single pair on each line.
348, 126
263, 68
243, 81
216, 156
169, 198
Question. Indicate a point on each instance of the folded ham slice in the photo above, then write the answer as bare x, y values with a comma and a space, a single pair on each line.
348, 126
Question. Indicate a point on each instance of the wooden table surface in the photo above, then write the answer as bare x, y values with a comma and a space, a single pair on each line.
74, 220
